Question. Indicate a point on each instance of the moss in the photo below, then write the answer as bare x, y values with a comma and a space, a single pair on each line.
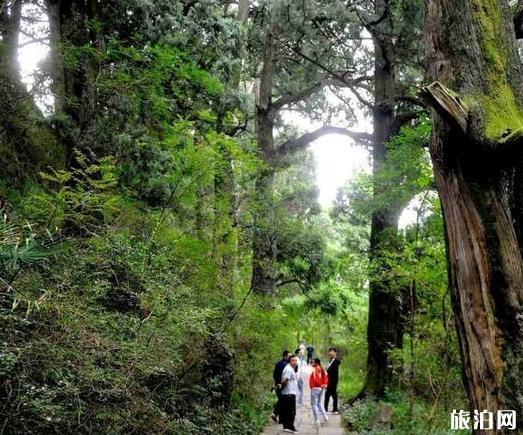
501, 110
489, 15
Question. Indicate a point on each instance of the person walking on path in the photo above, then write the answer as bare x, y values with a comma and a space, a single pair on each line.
301, 378
303, 350
318, 381
332, 386
277, 375
289, 392
310, 353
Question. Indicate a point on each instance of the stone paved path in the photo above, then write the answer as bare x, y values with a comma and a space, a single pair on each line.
304, 421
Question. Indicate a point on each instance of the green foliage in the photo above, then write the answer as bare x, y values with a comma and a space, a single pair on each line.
427, 368
125, 330
143, 320
424, 419
21, 246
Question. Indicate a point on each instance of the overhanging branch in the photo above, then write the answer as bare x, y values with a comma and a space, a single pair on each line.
298, 96
292, 146
340, 80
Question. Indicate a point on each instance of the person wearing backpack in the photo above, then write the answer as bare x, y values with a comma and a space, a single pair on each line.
318, 381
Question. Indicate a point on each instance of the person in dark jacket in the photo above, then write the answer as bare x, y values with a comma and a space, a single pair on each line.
276, 375
332, 387
310, 353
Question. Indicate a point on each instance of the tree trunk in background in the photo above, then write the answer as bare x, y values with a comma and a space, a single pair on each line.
264, 240
385, 323
11, 34
73, 82
27, 143
471, 48
56, 57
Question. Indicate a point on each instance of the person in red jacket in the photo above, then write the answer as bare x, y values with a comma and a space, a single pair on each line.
318, 382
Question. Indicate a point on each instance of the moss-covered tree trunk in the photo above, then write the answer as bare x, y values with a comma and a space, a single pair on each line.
470, 48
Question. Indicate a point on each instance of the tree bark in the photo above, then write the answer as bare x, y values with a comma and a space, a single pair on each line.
11, 37
73, 82
225, 240
27, 143
56, 57
385, 322
471, 48
264, 275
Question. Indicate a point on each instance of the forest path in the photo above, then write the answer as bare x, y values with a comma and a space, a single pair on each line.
304, 420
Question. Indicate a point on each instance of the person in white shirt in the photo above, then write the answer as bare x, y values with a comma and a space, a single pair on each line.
290, 390
301, 382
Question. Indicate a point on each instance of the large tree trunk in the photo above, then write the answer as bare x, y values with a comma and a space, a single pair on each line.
73, 83
470, 47
385, 330
264, 276
25, 137
10, 34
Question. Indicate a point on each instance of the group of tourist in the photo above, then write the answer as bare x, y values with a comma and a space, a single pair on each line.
289, 381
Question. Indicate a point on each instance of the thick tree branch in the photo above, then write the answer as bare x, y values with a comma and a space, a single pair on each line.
403, 118
447, 104
297, 97
412, 100
43, 41
292, 146
360, 98
33, 39
454, 111
319, 85
289, 281
341, 82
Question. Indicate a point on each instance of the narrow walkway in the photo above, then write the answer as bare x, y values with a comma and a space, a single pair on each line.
304, 421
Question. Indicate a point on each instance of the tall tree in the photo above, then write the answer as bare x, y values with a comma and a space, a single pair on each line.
75, 39
393, 27
287, 78
25, 137
478, 101
382, 85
